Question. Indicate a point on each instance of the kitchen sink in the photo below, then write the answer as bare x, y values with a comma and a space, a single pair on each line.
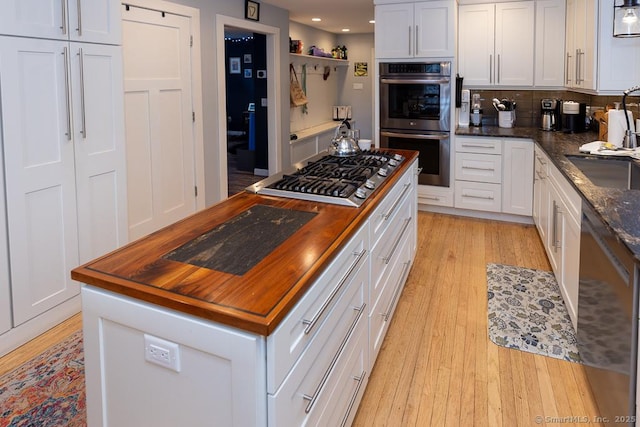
620, 173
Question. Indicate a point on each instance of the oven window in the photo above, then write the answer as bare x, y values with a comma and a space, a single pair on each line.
414, 101
429, 159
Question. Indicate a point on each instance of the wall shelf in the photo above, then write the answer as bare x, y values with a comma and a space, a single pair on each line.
320, 59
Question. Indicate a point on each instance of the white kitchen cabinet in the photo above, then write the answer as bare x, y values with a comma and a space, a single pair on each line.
558, 221
494, 175
540, 201
96, 21
5, 289
581, 47
63, 145
415, 30
496, 44
517, 184
550, 35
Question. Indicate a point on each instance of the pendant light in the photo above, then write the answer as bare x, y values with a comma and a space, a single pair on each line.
626, 18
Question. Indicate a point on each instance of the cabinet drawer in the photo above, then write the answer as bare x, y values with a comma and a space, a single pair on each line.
381, 313
388, 249
479, 167
308, 388
381, 216
480, 196
315, 311
478, 145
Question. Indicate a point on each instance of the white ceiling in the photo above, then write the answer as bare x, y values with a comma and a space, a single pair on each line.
335, 14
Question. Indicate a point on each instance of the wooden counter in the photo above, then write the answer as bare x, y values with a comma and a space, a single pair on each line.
255, 301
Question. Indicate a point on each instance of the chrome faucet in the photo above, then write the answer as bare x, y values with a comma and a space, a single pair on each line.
630, 137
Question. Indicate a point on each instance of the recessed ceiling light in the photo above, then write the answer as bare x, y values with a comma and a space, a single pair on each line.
316, 19
372, 22
345, 30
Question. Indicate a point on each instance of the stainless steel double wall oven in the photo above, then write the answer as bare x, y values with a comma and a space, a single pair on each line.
415, 106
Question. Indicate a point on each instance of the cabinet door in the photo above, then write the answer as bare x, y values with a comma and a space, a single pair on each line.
570, 268
554, 232
394, 33
550, 34
5, 291
35, 18
540, 195
618, 56
570, 45
96, 21
476, 44
514, 30
98, 133
585, 50
517, 184
39, 173
434, 29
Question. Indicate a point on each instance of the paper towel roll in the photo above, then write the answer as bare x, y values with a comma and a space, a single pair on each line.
617, 126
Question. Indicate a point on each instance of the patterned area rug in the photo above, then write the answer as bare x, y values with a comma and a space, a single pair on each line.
48, 390
527, 312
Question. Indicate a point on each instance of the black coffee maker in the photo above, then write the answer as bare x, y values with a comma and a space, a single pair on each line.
550, 114
574, 115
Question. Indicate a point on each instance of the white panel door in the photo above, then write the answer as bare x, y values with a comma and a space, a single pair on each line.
514, 43
39, 172
5, 289
435, 28
159, 127
476, 44
393, 31
98, 133
96, 21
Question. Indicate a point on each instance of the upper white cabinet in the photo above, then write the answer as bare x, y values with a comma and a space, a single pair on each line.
63, 145
581, 48
96, 21
415, 30
550, 35
496, 44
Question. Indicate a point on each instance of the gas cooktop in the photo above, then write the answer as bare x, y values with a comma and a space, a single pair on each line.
344, 181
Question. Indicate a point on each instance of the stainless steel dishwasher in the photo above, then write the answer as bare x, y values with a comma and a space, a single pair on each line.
608, 319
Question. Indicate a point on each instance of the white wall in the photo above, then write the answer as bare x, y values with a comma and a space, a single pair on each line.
269, 15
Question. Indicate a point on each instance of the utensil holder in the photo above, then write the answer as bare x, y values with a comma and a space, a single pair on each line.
506, 119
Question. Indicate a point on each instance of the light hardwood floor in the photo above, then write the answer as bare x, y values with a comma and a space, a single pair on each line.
437, 366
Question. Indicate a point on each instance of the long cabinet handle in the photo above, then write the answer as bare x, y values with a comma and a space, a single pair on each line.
478, 168
63, 25
65, 54
557, 244
360, 381
79, 29
473, 196
490, 68
577, 66
415, 48
567, 74
83, 131
312, 399
396, 293
388, 215
410, 49
310, 324
469, 145
388, 258
498, 70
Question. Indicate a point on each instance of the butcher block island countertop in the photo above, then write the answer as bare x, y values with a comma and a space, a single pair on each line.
256, 300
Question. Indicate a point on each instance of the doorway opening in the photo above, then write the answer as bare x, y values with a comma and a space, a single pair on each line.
266, 103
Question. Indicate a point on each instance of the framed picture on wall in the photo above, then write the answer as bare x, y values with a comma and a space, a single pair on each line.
247, 58
248, 73
234, 65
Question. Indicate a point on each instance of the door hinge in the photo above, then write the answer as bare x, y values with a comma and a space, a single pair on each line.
193, 116
190, 41
196, 190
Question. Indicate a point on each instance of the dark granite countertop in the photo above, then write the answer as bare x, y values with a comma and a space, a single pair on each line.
619, 209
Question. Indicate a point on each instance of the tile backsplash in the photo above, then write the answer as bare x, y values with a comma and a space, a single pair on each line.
528, 103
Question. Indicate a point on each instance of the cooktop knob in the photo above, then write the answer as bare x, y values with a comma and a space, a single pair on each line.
361, 194
370, 184
398, 157
393, 163
382, 172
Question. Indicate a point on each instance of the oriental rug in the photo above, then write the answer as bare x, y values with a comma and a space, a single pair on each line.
526, 312
48, 390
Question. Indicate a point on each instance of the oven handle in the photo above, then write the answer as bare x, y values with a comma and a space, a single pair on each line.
438, 136
414, 81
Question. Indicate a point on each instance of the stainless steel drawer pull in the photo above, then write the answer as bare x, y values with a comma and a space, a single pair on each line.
387, 258
311, 323
478, 168
79, 29
432, 198
387, 215
475, 145
332, 365
63, 27
82, 103
65, 54
396, 294
474, 196
360, 381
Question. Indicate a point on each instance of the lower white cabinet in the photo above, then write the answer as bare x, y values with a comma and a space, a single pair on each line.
559, 212
5, 289
494, 175
312, 370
